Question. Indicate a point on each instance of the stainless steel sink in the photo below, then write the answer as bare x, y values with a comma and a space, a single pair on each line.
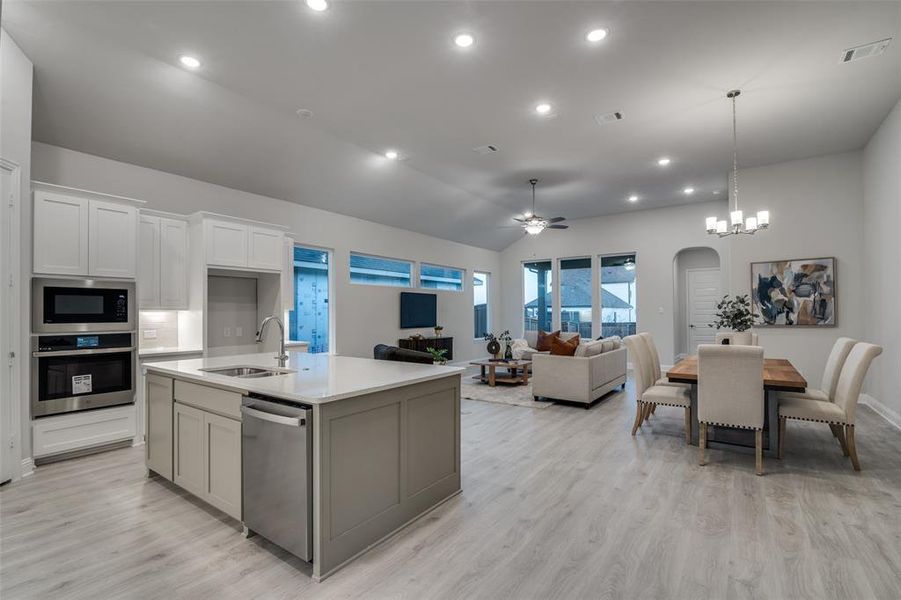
247, 372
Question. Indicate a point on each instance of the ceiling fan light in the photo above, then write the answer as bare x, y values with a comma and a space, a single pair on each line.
534, 228
629, 265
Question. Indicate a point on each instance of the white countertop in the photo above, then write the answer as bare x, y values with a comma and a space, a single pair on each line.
317, 378
166, 351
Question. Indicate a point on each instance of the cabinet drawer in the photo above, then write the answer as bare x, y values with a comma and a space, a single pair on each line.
222, 402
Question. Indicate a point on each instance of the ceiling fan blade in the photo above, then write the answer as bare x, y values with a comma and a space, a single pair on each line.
556, 219
557, 227
519, 220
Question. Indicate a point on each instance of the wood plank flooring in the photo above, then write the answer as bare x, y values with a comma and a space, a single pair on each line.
556, 503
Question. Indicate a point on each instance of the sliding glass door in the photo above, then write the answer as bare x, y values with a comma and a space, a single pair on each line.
537, 295
618, 295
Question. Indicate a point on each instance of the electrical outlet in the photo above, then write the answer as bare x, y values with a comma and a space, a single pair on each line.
228, 332
239, 331
150, 334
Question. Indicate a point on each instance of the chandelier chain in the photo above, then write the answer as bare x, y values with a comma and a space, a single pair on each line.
734, 154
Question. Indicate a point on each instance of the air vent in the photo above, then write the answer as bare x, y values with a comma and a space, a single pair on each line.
610, 117
486, 149
865, 51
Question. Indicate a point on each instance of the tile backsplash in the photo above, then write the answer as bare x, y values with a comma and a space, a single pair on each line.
157, 329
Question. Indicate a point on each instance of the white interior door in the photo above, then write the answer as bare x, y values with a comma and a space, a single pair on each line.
703, 289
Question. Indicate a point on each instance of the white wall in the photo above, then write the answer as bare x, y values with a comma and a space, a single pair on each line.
656, 236
366, 315
882, 250
816, 210
16, 76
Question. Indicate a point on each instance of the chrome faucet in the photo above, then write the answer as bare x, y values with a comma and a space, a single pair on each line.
282, 355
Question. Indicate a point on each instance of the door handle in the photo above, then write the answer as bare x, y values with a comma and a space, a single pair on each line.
272, 418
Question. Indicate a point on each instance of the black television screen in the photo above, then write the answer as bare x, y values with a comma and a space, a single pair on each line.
418, 310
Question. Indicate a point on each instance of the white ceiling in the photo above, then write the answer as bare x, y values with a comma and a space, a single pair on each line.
387, 74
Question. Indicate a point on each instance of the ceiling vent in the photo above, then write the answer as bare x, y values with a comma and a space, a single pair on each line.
865, 51
486, 149
610, 117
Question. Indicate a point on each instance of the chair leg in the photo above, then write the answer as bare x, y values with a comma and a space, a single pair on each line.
842, 440
758, 450
835, 429
852, 446
639, 416
702, 443
687, 426
653, 409
781, 437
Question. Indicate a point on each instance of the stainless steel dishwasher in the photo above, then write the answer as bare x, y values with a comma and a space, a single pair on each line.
277, 449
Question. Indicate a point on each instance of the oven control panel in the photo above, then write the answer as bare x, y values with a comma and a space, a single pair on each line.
59, 343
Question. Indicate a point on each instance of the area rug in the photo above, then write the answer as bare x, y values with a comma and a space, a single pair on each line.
514, 395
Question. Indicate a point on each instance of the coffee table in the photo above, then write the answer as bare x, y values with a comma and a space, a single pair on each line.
517, 371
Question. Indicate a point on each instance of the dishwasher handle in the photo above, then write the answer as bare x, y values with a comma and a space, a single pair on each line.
273, 418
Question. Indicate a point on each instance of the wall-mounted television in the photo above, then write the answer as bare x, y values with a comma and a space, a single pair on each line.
418, 310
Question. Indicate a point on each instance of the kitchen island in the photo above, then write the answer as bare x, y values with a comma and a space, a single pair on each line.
385, 439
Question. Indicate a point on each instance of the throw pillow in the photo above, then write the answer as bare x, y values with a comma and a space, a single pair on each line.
545, 339
567, 348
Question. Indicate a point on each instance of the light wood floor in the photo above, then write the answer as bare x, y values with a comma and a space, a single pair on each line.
556, 503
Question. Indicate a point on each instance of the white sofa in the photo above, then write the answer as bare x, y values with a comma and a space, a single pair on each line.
598, 367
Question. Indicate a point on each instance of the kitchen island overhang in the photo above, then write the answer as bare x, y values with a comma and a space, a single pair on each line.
386, 438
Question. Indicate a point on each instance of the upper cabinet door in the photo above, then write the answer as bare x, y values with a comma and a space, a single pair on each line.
288, 275
173, 263
60, 234
149, 262
112, 247
266, 249
226, 243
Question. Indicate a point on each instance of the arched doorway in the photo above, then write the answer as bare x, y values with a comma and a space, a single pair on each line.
697, 287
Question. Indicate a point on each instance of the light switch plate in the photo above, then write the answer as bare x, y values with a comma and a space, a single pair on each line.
239, 331
150, 334
228, 332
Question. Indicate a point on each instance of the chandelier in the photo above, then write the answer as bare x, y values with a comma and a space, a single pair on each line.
737, 224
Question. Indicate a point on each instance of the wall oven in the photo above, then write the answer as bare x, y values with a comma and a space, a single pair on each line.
71, 372
82, 305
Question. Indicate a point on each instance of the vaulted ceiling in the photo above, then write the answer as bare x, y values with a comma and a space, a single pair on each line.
380, 75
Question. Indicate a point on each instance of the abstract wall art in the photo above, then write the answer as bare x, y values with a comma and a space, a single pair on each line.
794, 293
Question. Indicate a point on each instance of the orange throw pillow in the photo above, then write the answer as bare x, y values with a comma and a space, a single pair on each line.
567, 348
544, 340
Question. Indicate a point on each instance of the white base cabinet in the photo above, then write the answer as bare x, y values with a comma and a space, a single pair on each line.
82, 430
187, 435
159, 419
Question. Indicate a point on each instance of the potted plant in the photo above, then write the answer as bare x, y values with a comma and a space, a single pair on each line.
495, 340
438, 330
734, 313
438, 355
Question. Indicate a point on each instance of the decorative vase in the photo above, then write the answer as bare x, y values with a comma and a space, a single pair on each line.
508, 353
726, 341
493, 348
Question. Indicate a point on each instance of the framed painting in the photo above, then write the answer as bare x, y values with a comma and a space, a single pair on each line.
794, 293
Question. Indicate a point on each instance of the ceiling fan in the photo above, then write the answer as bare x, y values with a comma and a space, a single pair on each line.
533, 224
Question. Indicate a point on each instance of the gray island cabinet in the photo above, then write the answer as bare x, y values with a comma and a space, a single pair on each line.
385, 438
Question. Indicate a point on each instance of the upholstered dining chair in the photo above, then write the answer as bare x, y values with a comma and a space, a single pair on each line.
659, 379
730, 393
840, 350
737, 338
647, 394
840, 412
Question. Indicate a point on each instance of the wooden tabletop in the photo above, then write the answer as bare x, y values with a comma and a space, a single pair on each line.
778, 373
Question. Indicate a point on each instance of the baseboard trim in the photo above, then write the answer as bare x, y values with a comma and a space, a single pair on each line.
882, 410
27, 467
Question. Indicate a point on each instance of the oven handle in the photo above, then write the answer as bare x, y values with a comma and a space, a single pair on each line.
83, 352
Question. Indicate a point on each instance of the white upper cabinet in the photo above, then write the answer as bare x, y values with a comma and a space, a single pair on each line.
112, 237
266, 248
226, 243
162, 271
60, 234
77, 234
148, 261
173, 263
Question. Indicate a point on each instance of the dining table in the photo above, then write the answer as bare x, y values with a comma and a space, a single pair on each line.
779, 375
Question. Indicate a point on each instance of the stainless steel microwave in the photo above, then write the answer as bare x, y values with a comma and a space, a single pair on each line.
82, 305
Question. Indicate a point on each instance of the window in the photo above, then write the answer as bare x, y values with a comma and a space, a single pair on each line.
480, 304
434, 277
309, 321
372, 270
618, 314
537, 295
575, 296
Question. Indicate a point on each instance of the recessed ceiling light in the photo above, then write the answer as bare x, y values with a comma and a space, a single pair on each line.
304, 113
317, 5
663, 161
688, 191
633, 198
189, 62
464, 40
596, 35
543, 109
391, 154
